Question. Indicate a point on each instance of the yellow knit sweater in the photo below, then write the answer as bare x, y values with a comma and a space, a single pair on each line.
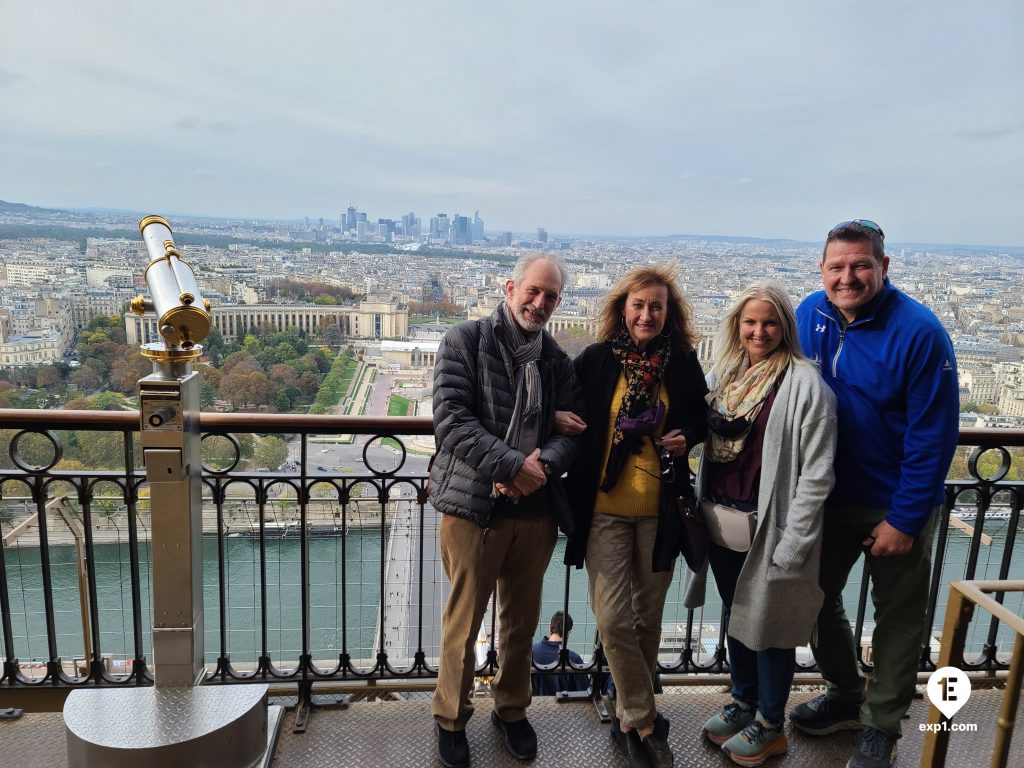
636, 492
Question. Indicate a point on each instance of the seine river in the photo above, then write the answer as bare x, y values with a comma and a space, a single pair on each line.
362, 568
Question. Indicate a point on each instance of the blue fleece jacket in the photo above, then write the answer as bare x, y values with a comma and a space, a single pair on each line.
894, 375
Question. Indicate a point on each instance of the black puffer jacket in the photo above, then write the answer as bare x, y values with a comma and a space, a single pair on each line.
473, 404
599, 370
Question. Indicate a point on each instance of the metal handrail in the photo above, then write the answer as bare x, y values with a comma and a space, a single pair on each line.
262, 484
259, 423
963, 596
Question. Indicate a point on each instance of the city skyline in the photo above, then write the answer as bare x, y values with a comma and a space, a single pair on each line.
186, 222
656, 120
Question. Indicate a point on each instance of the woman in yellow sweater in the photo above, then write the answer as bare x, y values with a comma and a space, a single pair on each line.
644, 392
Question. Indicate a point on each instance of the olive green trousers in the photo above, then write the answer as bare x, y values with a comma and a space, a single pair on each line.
899, 592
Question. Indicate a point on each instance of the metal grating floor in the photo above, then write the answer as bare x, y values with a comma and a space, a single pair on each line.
400, 734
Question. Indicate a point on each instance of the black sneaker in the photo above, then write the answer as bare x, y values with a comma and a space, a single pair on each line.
824, 715
520, 738
874, 750
452, 748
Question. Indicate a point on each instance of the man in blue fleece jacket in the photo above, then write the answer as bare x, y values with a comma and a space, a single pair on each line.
890, 363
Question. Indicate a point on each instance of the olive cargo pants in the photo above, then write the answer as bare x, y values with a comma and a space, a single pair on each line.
899, 591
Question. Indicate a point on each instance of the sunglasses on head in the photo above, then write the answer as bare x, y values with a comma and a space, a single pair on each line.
867, 224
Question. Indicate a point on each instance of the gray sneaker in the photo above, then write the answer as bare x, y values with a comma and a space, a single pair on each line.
752, 746
733, 718
874, 750
824, 715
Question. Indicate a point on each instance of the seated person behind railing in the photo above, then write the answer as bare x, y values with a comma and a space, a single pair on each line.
763, 481
545, 653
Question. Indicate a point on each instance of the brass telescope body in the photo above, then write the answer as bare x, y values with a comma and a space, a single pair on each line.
183, 316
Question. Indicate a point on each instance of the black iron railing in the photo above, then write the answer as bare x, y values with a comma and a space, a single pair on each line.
327, 571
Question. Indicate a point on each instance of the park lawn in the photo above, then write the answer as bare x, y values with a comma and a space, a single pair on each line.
335, 384
398, 406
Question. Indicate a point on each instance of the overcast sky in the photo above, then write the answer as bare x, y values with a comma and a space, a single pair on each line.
767, 119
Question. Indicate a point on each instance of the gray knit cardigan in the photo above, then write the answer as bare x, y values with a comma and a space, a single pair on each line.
777, 594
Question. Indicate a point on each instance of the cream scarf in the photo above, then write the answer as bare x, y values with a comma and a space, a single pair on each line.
742, 397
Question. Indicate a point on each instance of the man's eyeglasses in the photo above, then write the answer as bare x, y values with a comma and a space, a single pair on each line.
842, 226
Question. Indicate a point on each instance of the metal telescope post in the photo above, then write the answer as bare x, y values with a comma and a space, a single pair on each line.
177, 722
169, 406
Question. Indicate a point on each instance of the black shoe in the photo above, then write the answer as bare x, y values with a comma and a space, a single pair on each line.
618, 737
636, 753
661, 726
659, 754
452, 748
520, 738
874, 750
824, 715
658, 751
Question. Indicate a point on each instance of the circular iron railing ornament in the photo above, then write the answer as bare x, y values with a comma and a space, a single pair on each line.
35, 469
999, 474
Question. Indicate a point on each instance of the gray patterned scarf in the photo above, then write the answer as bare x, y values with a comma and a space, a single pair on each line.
524, 348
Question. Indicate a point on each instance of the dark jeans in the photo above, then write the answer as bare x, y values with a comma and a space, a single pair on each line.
761, 679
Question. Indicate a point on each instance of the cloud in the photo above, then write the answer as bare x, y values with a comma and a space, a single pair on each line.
9, 77
993, 133
191, 123
648, 118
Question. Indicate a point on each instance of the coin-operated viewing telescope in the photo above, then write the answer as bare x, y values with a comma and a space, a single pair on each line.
176, 721
183, 315
169, 410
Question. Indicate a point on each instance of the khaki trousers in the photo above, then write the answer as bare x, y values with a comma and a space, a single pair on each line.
628, 598
511, 556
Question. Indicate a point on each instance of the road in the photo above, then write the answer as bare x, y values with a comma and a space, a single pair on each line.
331, 458
408, 602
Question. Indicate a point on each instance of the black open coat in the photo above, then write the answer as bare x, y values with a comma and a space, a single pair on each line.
597, 372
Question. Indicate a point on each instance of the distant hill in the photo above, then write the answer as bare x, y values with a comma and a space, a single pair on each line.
20, 207
776, 242
889, 245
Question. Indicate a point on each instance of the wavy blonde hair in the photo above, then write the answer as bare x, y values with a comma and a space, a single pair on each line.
678, 319
730, 355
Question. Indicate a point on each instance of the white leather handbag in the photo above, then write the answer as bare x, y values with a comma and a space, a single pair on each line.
729, 527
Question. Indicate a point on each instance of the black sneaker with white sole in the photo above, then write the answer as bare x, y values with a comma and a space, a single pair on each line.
823, 715
874, 750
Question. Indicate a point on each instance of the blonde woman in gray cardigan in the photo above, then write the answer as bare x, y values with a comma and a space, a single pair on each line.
764, 477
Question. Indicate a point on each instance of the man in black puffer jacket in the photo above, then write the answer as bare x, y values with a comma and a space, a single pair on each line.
496, 477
